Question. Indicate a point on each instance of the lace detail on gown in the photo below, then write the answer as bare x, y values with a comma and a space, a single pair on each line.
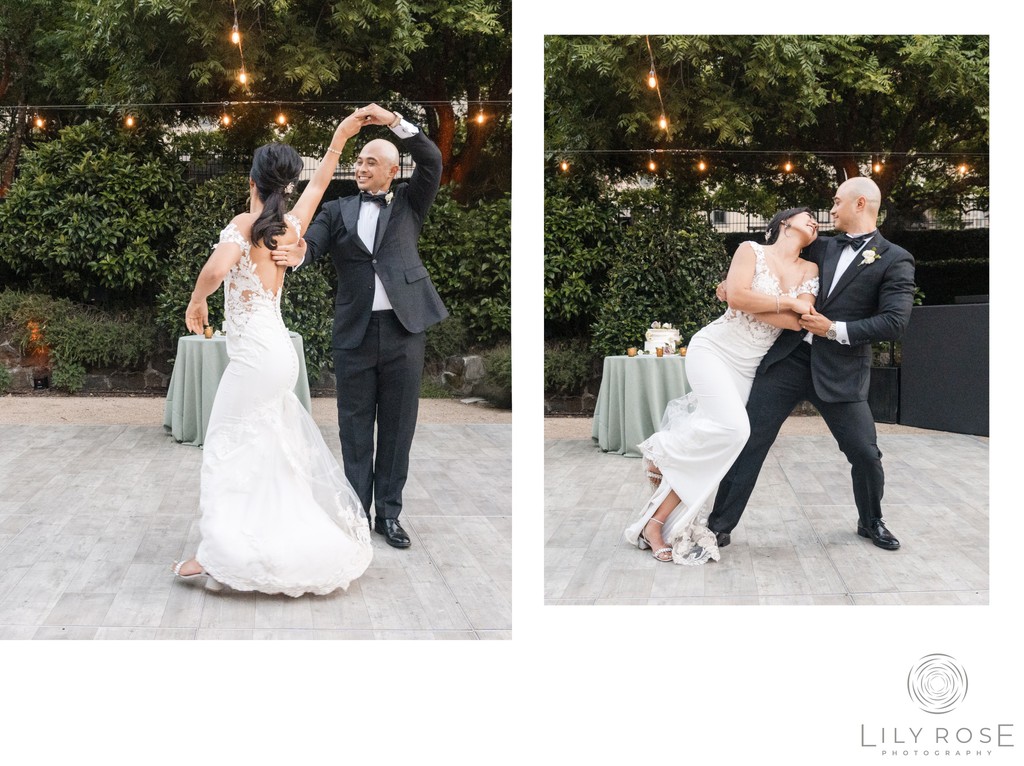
693, 449
278, 515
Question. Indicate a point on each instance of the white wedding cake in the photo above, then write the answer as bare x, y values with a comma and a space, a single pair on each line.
663, 336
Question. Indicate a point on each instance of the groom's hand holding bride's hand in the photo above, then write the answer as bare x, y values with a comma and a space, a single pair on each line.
374, 114
815, 322
290, 255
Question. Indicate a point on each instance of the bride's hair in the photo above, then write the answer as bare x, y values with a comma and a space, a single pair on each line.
775, 226
274, 167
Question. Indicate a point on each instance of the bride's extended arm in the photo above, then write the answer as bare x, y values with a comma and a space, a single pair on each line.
314, 191
739, 293
787, 320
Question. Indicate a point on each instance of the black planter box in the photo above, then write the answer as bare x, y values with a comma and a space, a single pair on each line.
884, 394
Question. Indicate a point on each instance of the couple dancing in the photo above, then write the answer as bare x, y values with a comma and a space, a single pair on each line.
278, 515
796, 329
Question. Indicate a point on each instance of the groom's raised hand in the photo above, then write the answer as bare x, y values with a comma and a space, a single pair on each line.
289, 255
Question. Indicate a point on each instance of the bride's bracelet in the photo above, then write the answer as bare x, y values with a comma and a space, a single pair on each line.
332, 149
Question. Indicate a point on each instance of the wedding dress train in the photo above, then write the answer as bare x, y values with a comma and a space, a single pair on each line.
703, 432
278, 515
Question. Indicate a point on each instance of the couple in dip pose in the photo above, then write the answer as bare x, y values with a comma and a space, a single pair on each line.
803, 313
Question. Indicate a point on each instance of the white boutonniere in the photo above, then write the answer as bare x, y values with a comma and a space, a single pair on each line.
868, 257
388, 197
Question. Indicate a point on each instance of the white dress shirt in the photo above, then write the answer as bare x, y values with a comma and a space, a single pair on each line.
845, 259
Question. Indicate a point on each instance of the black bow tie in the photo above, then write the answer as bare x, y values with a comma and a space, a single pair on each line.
854, 242
380, 199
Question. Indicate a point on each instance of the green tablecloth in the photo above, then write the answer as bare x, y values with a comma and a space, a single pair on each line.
633, 396
198, 368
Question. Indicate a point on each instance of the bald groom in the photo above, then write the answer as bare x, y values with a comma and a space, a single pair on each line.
866, 294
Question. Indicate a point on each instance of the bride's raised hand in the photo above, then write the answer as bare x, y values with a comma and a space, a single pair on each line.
351, 124
197, 316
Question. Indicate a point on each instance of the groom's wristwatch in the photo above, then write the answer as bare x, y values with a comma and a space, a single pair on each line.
397, 121
831, 332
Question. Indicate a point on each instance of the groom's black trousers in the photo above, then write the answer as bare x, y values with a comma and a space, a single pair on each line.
379, 380
774, 394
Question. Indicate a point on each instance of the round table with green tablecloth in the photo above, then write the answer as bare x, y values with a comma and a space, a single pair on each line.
633, 396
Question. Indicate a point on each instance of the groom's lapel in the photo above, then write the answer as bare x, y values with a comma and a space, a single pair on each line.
829, 262
350, 217
382, 225
876, 243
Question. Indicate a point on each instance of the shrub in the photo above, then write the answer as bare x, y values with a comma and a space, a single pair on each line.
445, 339
79, 337
468, 252
568, 367
498, 375
5, 380
580, 237
668, 263
306, 303
92, 215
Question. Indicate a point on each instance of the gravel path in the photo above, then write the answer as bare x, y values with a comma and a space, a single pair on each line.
52, 408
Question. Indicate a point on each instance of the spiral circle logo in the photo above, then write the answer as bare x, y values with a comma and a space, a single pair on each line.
937, 683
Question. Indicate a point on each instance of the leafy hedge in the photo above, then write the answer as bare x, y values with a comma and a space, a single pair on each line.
78, 337
92, 214
468, 251
667, 264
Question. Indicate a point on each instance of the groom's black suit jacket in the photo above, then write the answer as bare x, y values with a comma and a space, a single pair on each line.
874, 299
395, 257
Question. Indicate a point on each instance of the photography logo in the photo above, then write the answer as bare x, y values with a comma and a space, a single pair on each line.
937, 683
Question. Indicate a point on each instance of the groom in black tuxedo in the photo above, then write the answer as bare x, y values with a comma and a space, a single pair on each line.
866, 294
385, 303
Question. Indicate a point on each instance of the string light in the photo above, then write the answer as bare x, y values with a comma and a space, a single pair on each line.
281, 119
225, 119
877, 167
243, 77
40, 122
663, 123
236, 38
788, 167
651, 164
652, 79
129, 121
480, 117
702, 166
652, 82
564, 166
963, 169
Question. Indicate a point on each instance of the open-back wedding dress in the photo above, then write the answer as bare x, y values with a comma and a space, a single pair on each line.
278, 515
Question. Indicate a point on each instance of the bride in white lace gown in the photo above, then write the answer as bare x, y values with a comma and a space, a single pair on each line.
278, 515
702, 433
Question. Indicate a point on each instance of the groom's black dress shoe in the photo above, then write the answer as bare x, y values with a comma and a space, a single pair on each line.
392, 531
723, 539
878, 534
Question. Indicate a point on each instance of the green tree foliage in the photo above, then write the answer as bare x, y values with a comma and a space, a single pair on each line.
827, 103
92, 215
437, 60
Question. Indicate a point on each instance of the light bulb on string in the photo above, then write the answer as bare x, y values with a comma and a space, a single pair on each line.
702, 166
651, 164
788, 167
40, 122
876, 167
480, 117
652, 79
281, 119
236, 36
243, 77
962, 169
225, 119
564, 166
129, 121
663, 123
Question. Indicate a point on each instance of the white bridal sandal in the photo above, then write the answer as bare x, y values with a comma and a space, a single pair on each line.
643, 544
209, 584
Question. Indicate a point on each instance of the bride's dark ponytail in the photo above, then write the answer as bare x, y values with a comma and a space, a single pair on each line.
274, 167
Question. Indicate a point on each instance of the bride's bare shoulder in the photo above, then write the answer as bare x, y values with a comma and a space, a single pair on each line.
243, 222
